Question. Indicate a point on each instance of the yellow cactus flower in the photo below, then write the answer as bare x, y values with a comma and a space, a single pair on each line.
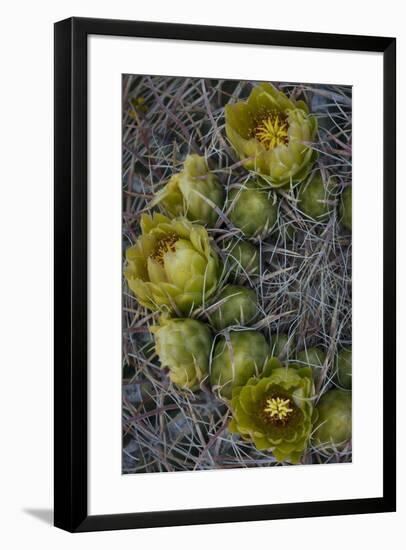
272, 135
172, 266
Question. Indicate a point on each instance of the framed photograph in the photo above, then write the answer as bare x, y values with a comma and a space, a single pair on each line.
224, 274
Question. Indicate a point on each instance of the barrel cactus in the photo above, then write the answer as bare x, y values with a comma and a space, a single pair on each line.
252, 209
237, 357
184, 346
332, 430
236, 305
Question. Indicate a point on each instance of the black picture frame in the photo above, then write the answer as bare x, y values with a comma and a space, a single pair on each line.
71, 385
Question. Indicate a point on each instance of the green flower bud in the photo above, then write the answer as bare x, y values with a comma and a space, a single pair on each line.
314, 358
271, 134
184, 346
235, 359
252, 210
332, 430
346, 207
275, 412
194, 193
280, 345
172, 266
313, 198
138, 106
242, 258
344, 368
237, 305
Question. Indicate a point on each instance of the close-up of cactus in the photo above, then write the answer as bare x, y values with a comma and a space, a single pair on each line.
235, 305
184, 346
333, 427
316, 197
236, 358
252, 209
241, 258
237, 265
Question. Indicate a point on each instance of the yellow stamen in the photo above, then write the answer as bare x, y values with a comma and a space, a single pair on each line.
138, 104
165, 245
278, 408
272, 131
